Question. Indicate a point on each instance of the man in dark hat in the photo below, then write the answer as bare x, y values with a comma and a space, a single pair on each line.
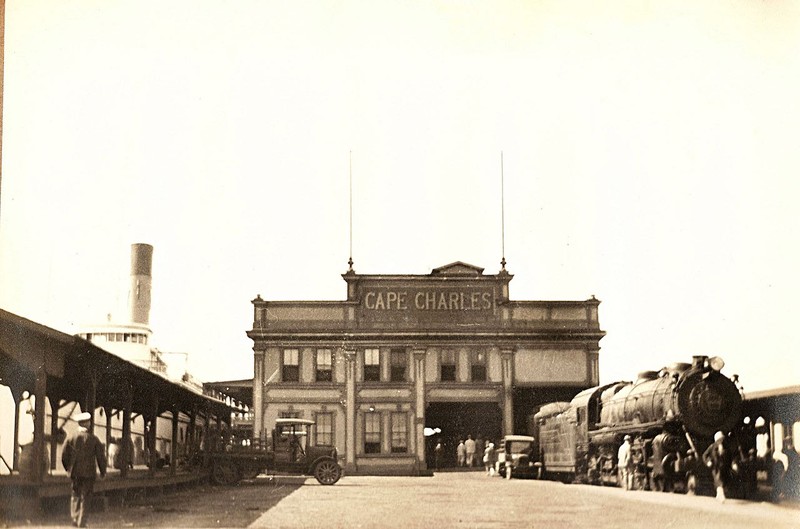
83, 453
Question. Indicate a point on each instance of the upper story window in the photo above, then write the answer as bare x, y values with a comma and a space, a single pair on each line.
399, 365
324, 365
448, 366
478, 370
372, 365
290, 367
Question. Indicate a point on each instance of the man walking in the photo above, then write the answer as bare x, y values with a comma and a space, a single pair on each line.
83, 453
719, 459
461, 453
470, 446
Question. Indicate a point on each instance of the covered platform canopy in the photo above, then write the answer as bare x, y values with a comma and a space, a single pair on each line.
777, 405
49, 364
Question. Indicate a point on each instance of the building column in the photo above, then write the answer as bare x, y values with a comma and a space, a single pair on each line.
258, 398
507, 358
189, 447
17, 394
419, 406
350, 412
173, 456
40, 393
54, 437
152, 432
109, 411
126, 443
91, 397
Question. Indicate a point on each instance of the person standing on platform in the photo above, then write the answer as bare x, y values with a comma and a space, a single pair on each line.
719, 458
83, 454
480, 446
625, 463
461, 453
470, 446
489, 458
437, 455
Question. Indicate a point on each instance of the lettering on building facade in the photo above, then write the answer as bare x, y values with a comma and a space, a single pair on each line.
429, 300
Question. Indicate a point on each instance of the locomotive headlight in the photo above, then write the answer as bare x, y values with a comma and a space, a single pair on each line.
716, 363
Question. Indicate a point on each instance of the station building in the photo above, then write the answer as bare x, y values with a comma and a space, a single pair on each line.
404, 355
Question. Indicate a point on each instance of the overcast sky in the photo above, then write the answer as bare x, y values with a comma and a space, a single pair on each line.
651, 155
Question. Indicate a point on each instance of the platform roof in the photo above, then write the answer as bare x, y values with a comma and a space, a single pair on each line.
71, 363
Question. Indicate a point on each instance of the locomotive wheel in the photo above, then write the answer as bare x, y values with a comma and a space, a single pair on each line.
327, 472
225, 473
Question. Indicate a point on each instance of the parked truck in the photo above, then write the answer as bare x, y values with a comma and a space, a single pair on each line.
288, 452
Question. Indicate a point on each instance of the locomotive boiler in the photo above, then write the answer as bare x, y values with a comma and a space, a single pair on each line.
671, 415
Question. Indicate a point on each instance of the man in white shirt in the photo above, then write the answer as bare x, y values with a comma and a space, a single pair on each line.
469, 444
625, 463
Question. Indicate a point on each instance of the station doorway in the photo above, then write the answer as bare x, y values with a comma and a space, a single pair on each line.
455, 421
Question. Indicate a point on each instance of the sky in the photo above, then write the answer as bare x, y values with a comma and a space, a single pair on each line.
650, 158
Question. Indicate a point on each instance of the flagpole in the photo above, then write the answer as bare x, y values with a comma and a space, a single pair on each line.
350, 261
502, 215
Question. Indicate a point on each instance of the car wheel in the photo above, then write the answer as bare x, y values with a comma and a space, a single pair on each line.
327, 472
225, 473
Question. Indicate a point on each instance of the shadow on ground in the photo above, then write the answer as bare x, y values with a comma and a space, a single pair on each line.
200, 506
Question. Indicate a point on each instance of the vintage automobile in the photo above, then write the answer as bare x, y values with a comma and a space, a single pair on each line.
519, 448
288, 452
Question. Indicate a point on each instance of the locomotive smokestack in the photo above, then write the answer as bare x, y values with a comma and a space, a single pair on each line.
699, 361
141, 279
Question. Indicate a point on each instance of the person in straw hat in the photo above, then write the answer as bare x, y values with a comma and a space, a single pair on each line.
83, 454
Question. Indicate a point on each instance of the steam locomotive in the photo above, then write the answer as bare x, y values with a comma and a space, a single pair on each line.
671, 416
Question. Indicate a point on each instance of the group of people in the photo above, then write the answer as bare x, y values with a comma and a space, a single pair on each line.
718, 457
733, 469
469, 453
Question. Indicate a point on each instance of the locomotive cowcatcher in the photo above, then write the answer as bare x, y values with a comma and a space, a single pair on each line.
671, 414
289, 452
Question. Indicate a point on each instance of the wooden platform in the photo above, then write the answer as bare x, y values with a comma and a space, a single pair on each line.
22, 498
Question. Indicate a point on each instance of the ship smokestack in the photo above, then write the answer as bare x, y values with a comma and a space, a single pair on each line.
141, 280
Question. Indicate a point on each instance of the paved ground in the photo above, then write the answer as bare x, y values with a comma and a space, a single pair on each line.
467, 500
449, 499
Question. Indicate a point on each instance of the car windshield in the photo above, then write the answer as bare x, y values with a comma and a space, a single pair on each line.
516, 447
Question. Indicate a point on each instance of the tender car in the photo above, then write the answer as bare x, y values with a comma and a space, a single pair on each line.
521, 449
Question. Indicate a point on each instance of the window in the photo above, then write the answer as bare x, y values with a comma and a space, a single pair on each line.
324, 365
478, 366
399, 365
372, 433
289, 414
324, 429
448, 366
372, 365
399, 433
291, 365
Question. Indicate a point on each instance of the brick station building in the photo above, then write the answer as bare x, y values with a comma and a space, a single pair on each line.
447, 351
